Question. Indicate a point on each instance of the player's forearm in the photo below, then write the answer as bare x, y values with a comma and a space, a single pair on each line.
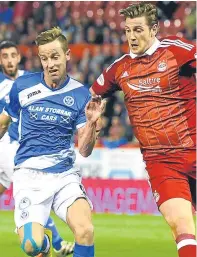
87, 140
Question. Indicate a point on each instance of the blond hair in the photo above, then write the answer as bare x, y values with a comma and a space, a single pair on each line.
142, 9
51, 35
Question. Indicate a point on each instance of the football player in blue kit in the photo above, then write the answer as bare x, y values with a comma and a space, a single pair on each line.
50, 107
9, 60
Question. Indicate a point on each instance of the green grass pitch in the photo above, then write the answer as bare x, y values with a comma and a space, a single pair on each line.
115, 236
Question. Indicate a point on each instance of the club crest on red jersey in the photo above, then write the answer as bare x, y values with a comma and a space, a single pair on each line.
162, 66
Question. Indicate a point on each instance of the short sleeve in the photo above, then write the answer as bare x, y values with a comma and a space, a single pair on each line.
106, 85
13, 107
183, 50
188, 57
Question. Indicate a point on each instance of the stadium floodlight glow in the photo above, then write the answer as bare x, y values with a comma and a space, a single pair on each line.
112, 13
179, 34
112, 25
100, 12
166, 23
123, 38
177, 23
36, 5
58, 4
90, 14
188, 10
122, 24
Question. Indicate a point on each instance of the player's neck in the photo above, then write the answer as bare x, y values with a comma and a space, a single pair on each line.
14, 77
151, 43
149, 46
52, 84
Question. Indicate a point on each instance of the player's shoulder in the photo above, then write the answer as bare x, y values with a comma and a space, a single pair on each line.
79, 87
23, 72
28, 80
176, 43
80, 93
119, 61
2, 77
29, 76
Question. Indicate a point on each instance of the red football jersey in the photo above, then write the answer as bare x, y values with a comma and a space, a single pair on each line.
160, 94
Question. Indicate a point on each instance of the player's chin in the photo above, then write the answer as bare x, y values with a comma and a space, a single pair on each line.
136, 50
55, 78
11, 72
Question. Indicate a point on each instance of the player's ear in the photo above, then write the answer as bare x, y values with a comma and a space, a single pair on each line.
154, 30
67, 55
19, 57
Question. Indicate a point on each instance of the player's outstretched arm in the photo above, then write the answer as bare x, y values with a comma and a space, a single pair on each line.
87, 135
92, 92
4, 123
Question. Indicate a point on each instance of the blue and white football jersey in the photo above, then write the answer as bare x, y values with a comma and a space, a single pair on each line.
5, 87
48, 119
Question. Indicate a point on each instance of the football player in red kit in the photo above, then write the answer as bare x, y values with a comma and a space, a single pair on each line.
157, 78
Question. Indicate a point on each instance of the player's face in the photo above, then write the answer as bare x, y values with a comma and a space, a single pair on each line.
9, 59
53, 60
139, 35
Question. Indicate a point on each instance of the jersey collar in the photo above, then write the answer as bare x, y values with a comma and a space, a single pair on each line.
150, 51
21, 72
54, 89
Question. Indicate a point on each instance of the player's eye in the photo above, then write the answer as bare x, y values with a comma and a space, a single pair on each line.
43, 58
56, 57
127, 30
139, 30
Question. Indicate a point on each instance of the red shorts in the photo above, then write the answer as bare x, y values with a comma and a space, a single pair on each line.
173, 176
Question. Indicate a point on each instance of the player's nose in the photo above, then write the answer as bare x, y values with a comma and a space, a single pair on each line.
132, 36
133, 39
50, 63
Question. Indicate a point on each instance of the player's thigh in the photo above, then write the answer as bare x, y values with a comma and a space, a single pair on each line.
178, 214
79, 215
33, 201
28, 208
172, 194
70, 195
167, 183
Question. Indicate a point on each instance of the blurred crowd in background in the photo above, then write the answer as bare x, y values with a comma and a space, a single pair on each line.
97, 23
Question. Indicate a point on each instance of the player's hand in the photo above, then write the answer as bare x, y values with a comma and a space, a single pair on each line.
94, 108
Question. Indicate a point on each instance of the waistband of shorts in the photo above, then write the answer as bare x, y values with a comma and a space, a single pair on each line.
166, 155
74, 169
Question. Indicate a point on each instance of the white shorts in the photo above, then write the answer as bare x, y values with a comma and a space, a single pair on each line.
36, 193
7, 154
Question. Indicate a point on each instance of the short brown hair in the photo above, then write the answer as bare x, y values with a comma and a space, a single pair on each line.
142, 9
51, 35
